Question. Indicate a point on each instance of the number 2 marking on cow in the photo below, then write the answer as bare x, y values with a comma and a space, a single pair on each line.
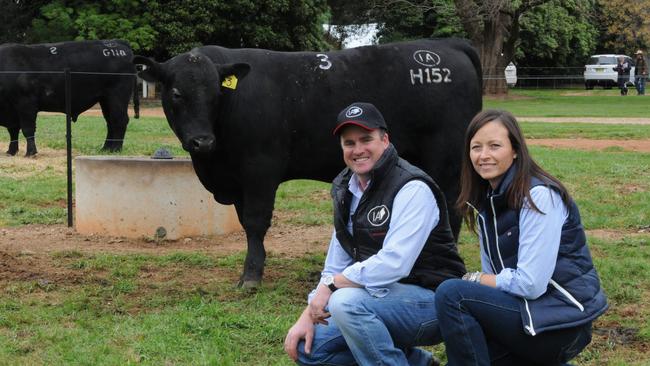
326, 64
53, 50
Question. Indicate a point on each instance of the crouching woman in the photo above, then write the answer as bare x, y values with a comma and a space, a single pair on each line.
538, 292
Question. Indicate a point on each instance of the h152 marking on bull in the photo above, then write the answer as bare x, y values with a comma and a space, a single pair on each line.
430, 74
326, 63
378, 215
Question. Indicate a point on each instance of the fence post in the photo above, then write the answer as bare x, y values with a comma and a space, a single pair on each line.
68, 139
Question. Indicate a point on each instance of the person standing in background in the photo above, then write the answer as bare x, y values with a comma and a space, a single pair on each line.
641, 73
623, 69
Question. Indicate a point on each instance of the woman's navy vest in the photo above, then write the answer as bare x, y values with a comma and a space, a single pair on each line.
439, 259
573, 296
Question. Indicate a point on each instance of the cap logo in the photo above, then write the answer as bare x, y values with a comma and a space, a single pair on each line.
378, 215
353, 111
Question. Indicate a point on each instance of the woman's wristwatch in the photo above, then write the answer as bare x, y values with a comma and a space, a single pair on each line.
473, 277
328, 280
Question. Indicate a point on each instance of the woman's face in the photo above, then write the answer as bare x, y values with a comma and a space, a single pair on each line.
491, 152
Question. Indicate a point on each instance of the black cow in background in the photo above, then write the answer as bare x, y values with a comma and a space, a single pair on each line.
252, 118
23, 95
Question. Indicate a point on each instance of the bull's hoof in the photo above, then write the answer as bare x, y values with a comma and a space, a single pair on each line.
31, 154
249, 284
12, 152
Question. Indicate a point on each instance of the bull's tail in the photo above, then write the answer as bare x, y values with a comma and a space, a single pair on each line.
136, 97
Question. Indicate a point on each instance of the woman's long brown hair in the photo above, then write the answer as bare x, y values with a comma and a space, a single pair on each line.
473, 188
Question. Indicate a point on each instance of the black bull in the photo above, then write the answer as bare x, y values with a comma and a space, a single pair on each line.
31, 81
276, 123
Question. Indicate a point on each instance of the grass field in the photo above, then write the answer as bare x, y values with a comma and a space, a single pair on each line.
181, 308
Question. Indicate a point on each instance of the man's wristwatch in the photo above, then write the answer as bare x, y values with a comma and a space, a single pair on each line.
328, 280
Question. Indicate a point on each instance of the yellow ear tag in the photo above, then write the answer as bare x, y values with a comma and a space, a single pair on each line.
230, 82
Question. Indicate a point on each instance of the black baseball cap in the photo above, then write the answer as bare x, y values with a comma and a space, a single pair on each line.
364, 115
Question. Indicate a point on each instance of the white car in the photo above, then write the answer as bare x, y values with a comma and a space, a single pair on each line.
599, 70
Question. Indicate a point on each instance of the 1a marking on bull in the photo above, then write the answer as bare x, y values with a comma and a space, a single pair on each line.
426, 58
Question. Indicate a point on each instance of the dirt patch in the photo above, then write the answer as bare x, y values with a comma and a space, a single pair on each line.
20, 166
587, 144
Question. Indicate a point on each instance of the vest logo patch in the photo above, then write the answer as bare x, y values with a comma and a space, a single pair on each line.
377, 216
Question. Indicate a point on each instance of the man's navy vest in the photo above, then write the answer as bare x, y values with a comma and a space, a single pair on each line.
439, 259
574, 296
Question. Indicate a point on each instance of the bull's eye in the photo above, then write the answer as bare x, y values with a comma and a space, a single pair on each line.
176, 94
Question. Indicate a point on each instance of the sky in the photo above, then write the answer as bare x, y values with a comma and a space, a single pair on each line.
364, 36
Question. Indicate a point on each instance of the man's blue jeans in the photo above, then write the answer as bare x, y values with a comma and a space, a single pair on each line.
368, 330
640, 85
482, 325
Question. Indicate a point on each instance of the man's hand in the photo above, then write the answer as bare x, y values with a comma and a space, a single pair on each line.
318, 303
303, 329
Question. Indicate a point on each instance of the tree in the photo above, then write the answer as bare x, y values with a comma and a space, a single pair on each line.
286, 25
16, 17
625, 26
65, 20
493, 26
557, 34
163, 28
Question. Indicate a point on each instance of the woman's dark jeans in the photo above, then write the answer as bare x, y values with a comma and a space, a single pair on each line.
481, 325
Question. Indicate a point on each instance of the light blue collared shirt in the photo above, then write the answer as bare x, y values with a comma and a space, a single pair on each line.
415, 213
539, 243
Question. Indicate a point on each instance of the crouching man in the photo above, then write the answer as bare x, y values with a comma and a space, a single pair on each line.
391, 247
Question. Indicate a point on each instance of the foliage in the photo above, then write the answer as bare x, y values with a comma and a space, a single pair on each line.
288, 25
64, 20
164, 28
558, 33
625, 26
406, 20
16, 17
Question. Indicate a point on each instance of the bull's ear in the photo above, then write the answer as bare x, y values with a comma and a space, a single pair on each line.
240, 70
153, 71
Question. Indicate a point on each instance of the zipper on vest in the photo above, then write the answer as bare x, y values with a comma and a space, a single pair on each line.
568, 295
485, 235
496, 233
355, 253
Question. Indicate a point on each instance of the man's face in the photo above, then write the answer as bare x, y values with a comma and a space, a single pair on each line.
362, 149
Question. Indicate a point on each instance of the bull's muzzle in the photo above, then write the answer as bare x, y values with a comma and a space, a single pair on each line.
201, 144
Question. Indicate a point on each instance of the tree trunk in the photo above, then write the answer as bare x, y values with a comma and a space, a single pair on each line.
492, 57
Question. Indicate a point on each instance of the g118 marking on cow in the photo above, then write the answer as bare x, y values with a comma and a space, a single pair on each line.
110, 52
277, 125
24, 94
430, 75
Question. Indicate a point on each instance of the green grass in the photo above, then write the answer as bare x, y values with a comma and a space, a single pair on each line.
570, 103
143, 135
182, 308
597, 131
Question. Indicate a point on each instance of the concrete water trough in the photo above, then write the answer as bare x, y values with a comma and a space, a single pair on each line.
143, 197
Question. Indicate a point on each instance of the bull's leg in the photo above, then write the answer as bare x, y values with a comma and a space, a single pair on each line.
255, 216
28, 126
117, 118
13, 140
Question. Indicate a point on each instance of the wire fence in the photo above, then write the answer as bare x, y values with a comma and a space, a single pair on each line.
558, 77
67, 98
